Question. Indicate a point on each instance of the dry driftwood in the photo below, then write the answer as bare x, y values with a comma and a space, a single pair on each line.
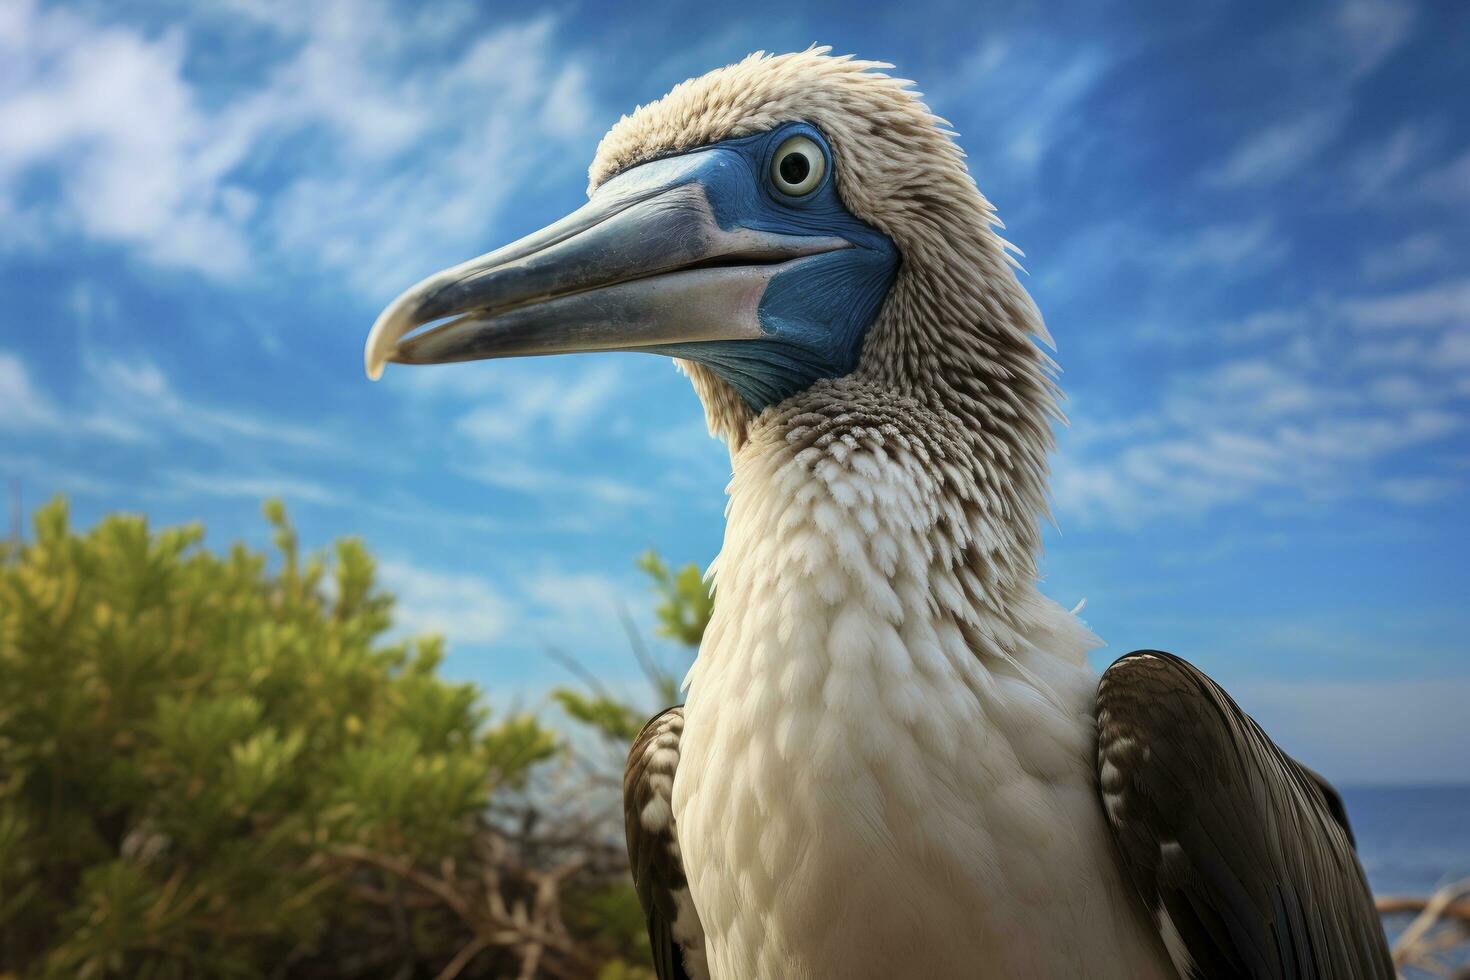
1440, 929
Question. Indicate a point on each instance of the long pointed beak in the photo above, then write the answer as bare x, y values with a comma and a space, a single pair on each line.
645, 262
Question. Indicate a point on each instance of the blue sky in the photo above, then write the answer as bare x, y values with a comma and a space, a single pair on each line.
1246, 225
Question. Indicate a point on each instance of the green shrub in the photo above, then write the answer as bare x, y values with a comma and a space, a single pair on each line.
217, 766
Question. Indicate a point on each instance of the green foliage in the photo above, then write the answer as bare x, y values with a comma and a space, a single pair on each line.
609, 717
189, 740
685, 601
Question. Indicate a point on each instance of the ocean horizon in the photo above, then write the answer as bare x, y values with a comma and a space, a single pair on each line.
1411, 839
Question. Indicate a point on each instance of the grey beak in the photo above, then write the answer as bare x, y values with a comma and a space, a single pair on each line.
643, 263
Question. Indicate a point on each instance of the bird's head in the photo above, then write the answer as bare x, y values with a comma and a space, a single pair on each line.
774, 223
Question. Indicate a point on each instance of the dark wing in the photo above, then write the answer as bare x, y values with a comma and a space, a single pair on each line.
1243, 856
653, 850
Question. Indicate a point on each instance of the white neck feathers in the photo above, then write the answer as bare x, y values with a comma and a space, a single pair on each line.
861, 548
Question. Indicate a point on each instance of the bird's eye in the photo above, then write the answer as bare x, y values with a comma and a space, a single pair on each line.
798, 166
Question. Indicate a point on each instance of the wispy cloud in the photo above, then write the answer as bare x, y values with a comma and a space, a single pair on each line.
1415, 252
136, 394
471, 128
1095, 254
1298, 417
1225, 246
1419, 489
1279, 150
466, 609
33, 473
589, 599
1295, 447
539, 480
397, 135
521, 406
30, 410
1367, 32
1376, 170
25, 407
547, 606
1440, 304
582, 613
516, 413
1026, 91
1331, 51
245, 486
131, 400
1267, 323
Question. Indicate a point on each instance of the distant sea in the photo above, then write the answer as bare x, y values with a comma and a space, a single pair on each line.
1411, 840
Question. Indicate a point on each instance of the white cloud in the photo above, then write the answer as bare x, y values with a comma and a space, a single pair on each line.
1267, 323
43, 474
1368, 31
1096, 253
1376, 171
1391, 353
502, 112
1329, 439
536, 480
247, 486
1419, 489
112, 109
1190, 471
131, 400
403, 140
28, 409
524, 406
25, 407
1279, 150
1453, 349
1054, 105
1164, 478
582, 595
466, 609
516, 412
1412, 253
1442, 303
1331, 51
1296, 419
1336, 397
134, 398
1226, 246
1026, 91
582, 613
1401, 389
574, 610
1334, 400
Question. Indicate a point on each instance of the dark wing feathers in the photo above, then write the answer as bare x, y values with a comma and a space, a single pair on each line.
1244, 857
653, 848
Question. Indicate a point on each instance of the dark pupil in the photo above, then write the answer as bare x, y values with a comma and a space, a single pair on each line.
795, 167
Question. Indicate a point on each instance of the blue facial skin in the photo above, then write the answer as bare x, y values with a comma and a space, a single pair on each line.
815, 314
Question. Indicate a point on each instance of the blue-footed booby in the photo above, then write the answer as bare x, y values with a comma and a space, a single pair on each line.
893, 760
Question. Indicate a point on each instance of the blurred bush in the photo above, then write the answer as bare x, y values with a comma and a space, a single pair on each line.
217, 766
